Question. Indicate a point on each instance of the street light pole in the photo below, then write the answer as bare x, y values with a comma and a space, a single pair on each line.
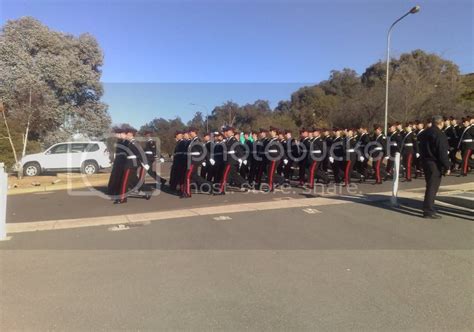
414, 10
207, 114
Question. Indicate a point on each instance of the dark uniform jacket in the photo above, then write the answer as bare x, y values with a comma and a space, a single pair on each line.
408, 144
316, 150
467, 137
434, 147
135, 155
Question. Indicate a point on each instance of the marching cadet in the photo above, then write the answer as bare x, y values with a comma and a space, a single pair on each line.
336, 157
327, 146
393, 142
362, 141
291, 153
304, 145
378, 153
178, 166
466, 145
195, 154
420, 127
205, 164
273, 155
315, 158
135, 159
284, 160
453, 139
118, 166
245, 167
350, 157
216, 159
407, 150
233, 154
260, 157
152, 156
253, 158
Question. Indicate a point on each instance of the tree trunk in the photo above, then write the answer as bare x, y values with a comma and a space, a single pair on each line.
2, 110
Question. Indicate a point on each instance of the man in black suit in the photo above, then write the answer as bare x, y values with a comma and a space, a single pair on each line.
434, 149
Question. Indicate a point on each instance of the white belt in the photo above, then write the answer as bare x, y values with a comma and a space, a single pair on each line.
231, 152
378, 148
316, 151
273, 151
393, 144
409, 144
467, 140
131, 157
195, 153
351, 150
149, 152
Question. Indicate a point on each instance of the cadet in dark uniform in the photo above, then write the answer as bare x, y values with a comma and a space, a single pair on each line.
178, 166
205, 164
253, 159
291, 153
118, 166
303, 149
350, 157
420, 128
378, 153
260, 157
273, 155
135, 159
466, 144
315, 158
152, 156
408, 150
196, 153
453, 139
362, 163
434, 153
233, 154
393, 146
336, 157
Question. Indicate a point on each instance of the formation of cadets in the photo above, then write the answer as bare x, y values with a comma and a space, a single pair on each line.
267, 158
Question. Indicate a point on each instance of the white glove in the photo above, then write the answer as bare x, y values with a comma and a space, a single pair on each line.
386, 157
331, 160
371, 159
240, 161
212, 161
245, 162
147, 167
162, 160
204, 164
361, 158
285, 161
417, 155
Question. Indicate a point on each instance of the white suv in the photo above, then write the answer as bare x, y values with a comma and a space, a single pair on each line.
87, 157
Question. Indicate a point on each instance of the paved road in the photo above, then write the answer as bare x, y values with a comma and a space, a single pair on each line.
359, 267
84, 203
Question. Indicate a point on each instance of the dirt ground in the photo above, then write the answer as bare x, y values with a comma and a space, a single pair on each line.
59, 179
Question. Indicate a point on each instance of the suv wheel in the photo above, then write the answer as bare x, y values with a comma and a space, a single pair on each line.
32, 169
89, 167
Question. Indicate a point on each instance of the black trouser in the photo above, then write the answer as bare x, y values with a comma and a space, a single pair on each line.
115, 180
302, 171
315, 171
452, 156
192, 178
178, 168
287, 170
230, 175
272, 175
433, 181
244, 170
362, 167
338, 169
130, 181
253, 171
205, 170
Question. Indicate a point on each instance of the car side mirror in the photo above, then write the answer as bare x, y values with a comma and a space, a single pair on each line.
48, 152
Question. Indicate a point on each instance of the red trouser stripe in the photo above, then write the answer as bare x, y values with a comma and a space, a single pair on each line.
410, 156
124, 183
466, 161
377, 171
346, 173
311, 174
188, 179
270, 176
224, 177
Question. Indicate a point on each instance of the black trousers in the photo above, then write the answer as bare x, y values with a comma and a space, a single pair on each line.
230, 175
115, 180
433, 181
338, 170
178, 170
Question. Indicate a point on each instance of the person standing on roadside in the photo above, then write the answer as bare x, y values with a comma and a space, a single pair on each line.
434, 149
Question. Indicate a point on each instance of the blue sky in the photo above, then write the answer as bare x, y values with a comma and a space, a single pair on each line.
162, 55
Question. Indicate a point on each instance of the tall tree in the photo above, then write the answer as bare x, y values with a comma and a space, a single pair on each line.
50, 82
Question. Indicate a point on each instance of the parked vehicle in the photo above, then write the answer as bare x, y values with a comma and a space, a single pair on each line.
87, 157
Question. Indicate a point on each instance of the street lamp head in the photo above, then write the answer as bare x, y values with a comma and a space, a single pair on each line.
415, 9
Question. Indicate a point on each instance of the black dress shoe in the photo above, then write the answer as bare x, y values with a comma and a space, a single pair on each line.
431, 216
185, 196
120, 201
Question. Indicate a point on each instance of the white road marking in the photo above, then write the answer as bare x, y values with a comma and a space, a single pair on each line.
311, 211
222, 218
